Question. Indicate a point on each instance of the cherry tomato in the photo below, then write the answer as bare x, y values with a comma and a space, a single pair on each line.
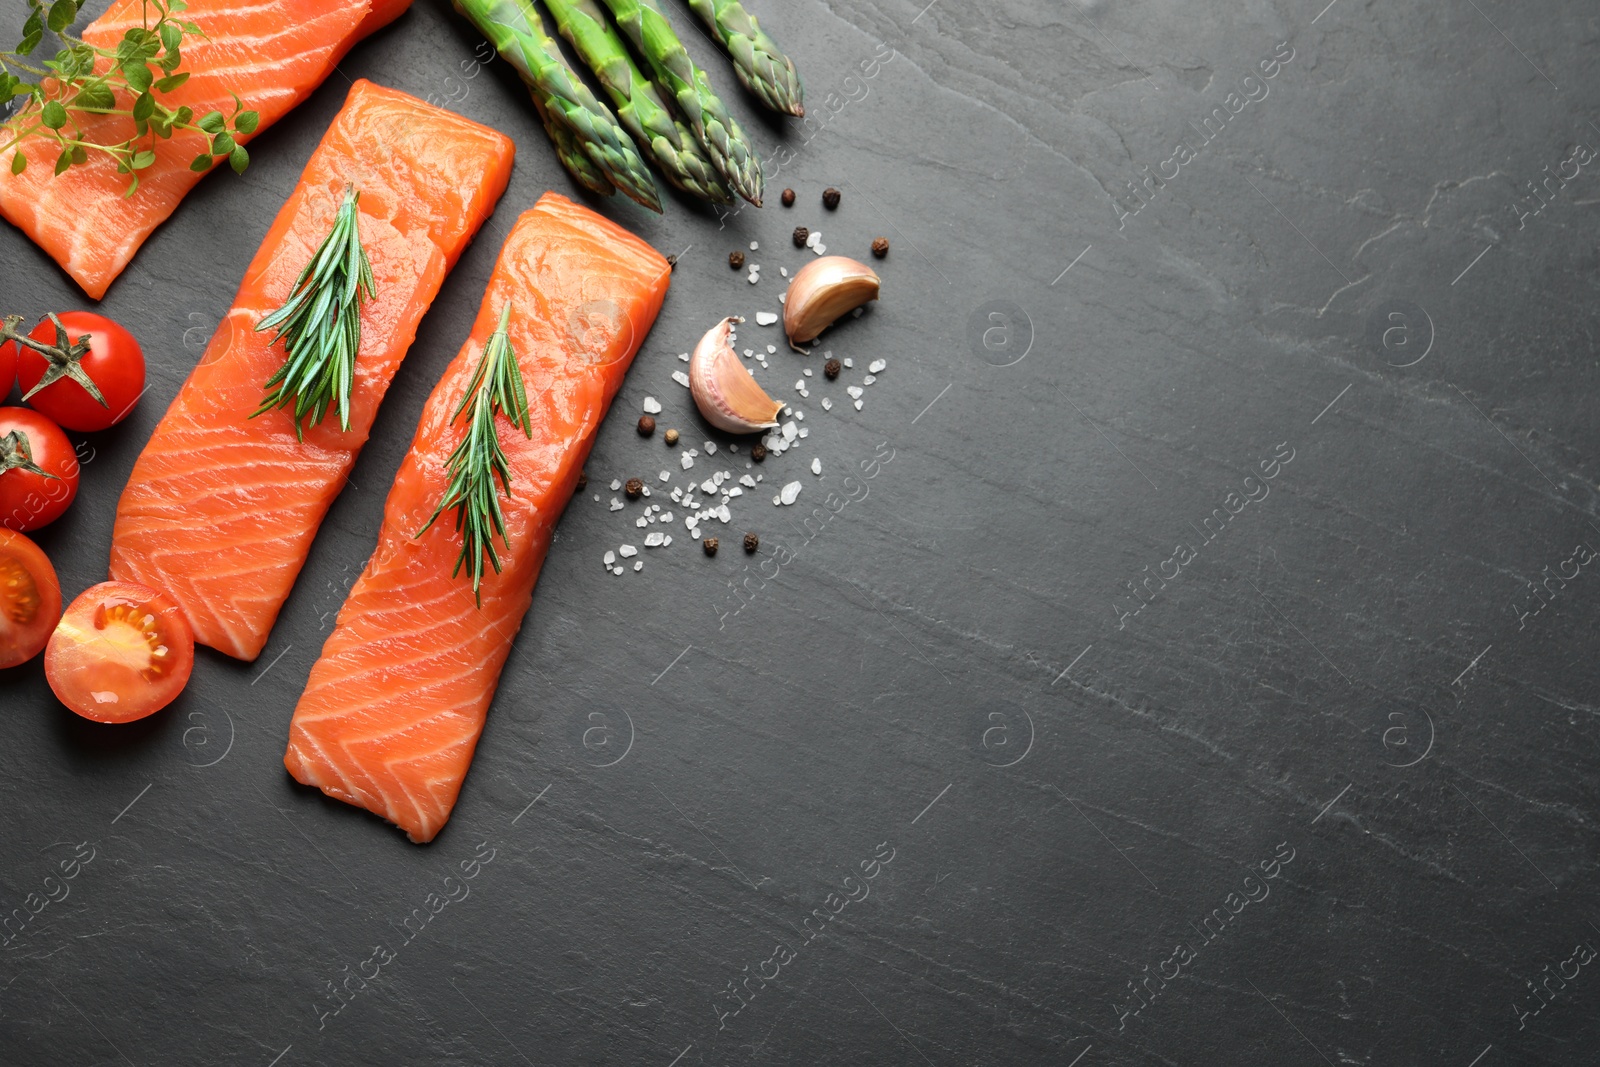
122, 651
30, 599
112, 360
38, 470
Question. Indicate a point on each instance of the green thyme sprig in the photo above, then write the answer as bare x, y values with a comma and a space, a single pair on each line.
320, 325
496, 388
59, 93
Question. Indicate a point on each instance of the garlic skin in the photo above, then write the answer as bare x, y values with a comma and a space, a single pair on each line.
823, 290
724, 390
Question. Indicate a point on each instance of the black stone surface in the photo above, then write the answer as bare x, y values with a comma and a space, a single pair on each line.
953, 666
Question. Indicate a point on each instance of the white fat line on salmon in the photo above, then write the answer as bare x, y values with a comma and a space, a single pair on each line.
341, 995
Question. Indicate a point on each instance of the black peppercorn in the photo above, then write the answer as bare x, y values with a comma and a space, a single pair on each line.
880, 246
647, 426
710, 545
801, 235
633, 488
672, 262
788, 198
736, 259
830, 198
758, 452
831, 369
751, 542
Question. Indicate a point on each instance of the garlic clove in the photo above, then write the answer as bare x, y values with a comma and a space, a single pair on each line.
724, 390
823, 290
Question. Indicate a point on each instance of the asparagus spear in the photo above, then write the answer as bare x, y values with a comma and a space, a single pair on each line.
663, 137
517, 33
643, 23
760, 64
570, 151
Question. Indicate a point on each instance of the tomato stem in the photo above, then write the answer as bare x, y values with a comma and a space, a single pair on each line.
17, 454
63, 356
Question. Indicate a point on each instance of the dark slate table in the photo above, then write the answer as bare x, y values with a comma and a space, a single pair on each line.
1200, 671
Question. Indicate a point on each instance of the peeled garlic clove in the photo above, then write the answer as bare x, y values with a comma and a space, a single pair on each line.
724, 390
823, 290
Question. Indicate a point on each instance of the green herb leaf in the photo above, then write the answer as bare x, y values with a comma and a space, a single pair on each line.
238, 159
478, 462
171, 82
144, 159
200, 164
62, 14
95, 97
320, 325
246, 121
54, 115
212, 122
170, 61
133, 187
183, 115
171, 35
221, 144
19, 162
80, 154
137, 75
144, 107
63, 161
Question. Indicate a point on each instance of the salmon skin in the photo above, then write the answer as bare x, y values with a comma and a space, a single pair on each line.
395, 704
273, 53
221, 508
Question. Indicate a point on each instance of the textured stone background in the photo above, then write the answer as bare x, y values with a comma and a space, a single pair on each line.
953, 669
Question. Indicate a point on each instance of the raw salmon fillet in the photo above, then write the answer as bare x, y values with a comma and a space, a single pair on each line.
221, 508
273, 53
395, 704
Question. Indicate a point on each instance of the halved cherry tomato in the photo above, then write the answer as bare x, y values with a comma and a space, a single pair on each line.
30, 599
121, 652
38, 470
111, 362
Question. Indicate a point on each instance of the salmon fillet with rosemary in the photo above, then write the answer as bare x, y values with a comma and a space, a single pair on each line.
221, 508
272, 53
394, 706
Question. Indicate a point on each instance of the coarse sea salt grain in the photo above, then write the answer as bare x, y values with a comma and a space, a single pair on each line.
610, 558
783, 298
617, 569
800, 385
665, 476
854, 390
638, 565
753, 278
686, 461
708, 486
666, 516
816, 466
789, 430
805, 432
654, 538
800, 415
783, 271
772, 350
616, 483
827, 405
754, 245
641, 522
858, 405
877, 366
616, 505
747, 481
869, 379
667, 542
597, 498
821, 249
681, 378
711, 448
735, 491
724, 514
790, 493
813, 238
848, 362
765, 318
684, 356
652, 406
627, 550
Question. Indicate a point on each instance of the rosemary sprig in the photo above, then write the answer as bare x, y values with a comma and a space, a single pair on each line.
320, 325
496, 388
66, 90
